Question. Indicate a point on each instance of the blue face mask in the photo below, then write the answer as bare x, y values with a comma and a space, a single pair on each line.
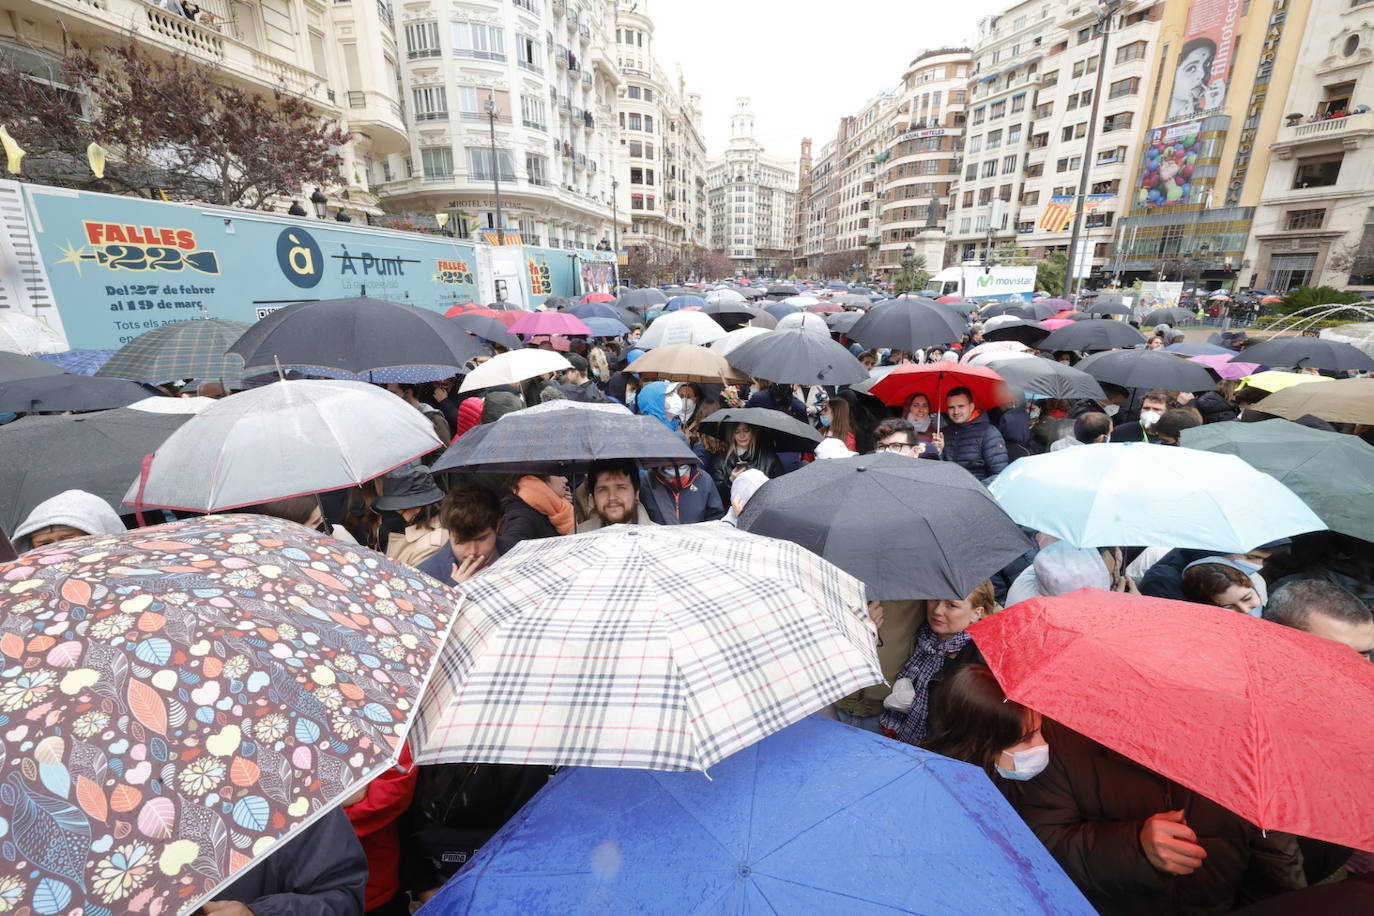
825, 421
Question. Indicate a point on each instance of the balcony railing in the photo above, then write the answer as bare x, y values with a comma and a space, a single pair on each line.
384, 10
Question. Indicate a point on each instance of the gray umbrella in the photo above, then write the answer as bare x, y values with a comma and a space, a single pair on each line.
488, 328
1093, 335
780, 431
907, 528
1048, 378
65, 391
96, 452
16, 366
1147, 369
798, 357
909, 323
641, 299
183, 349
560, 436
843, 322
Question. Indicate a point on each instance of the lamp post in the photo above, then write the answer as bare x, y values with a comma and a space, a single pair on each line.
1105, 10
320, 203
908, 263
492, 113
615, 231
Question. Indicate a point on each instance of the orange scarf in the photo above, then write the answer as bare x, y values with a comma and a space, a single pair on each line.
540, 496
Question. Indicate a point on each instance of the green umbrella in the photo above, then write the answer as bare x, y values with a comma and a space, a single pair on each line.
1308, 461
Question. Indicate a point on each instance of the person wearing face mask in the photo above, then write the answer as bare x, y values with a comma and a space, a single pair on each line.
973, 720
835, 423
681, 495
916, 411
1223, 582
1153, 405
1115, 405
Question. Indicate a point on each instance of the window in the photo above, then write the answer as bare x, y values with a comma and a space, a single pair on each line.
648, 94
634, 92
1018, 103
636, 121
1124, 87
1043, 111
965, 224
481, 168
1074, 131
989, 168
1337, 98
985, 195
968, 199
431, 103
472, 104
649, 123
648, 150
1105, 156
636, 201
1318, 171
971, 171
978, 116
997, 110
1039, 141
529, 53
436, 162
1013, 135
1069, 164
1030, 198
1133, 51
975, 144
530, 5
422, 40
536, 167
1051, 79
994, 139
636, 149
1035, 170
533, 112
1305, 219
1098, 218
1004, 193
480, 42
1119, 121
1008, 165
1086, 65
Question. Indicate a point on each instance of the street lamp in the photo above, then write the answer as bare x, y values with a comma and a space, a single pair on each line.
296, 209
615, 230
492, 113
908, 263
320, 203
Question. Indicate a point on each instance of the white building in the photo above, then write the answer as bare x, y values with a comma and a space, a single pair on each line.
752, 197
534, 80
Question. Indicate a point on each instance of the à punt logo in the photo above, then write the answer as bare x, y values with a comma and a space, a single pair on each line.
139, 248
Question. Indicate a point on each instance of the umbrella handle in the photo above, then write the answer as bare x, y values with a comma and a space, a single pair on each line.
143, 470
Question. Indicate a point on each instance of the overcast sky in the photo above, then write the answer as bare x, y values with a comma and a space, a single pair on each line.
804, 65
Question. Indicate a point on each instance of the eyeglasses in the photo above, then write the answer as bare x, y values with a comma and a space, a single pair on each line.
892, 446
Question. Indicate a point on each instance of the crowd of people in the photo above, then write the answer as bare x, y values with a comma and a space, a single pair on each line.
1133, 841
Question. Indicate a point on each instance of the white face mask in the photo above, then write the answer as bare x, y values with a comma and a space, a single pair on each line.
1149, 418
921, 425
1026, 764
1111, 409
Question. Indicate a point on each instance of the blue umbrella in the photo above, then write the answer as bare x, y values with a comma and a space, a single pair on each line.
606, 327
682, 302
805, 821
594, 310
780, 311
81, 362
836, 284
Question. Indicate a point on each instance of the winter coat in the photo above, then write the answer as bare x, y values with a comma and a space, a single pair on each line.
760, 459
320, 872
440, 566
376, 821
666, 504
586, 393
1213, 407
595, 524
521, 522
794, 405
976, 446
1088, 808
896, 639
417, 543
1165, 578
73, 509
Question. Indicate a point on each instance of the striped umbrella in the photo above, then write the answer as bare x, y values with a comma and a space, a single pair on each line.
183, 349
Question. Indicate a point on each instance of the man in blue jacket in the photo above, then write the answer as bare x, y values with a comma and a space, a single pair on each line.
969, 440
680, 495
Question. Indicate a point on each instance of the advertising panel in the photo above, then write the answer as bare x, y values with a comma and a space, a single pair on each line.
1202, 69
999, 283
1167, 171
1160, 295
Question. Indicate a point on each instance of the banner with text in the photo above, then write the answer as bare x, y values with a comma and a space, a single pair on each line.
999, 283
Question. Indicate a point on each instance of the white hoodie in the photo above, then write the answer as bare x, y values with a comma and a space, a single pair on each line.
72, 508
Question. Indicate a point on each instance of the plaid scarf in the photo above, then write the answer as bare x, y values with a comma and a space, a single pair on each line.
930, 656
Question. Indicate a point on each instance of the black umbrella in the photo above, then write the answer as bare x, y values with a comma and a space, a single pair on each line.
1075, 316
562, 303
1109, 307
797, 357
488, 328
641, 299
64, 391
1167, 316
909, 324
366, 339
1093, 335
1039, 311
782, 291
16, 366
1306, 353
780, 431
565, 435
1047, 377
729, 315
905, 527
843, 322
752, 292
1147, 369
1004, 308
1030, 333
97, 452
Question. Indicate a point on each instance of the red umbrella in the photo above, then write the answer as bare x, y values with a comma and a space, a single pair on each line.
1264, 720
509, 317
461, 308
825, 308
1269, 299
935, 379
597, 297
549, 323
948, 299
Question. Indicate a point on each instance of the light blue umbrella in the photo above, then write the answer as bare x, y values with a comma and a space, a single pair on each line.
682, 302
81, 362
1140, 495
817, 818
606, 327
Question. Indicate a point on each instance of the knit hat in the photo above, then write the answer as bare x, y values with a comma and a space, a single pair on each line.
499, 403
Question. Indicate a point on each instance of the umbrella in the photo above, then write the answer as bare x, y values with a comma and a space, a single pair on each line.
724, 296
1146, 369
569, 435
759, 837
935, 380
62, 391
780, 431
780, 310
1093, 335
1014, 309
781, 291
1307, 461
734, 338
804, 321
561, 303
1223, 366
598, 297
641, 299
1109, 307
1307, 353
606, 327
825, 308
1092, 496
78, 362
513, 368
665, 647
948, 300
1073, 316
193, 694
487, 328
1167, 316
1047, 378
1235, 722
362, 339
462, 308
684, 302
798, 358
97, 452
731, 311
1059, 305
1198, 349
1220, 294
854, 301
1348, 400
550, 323
981, 354
909, 324
1272, 380
890, 522
681, 328
163, 404
689, 363
183, 349
16, 367
281, 440
1269, 300
1030, 333
1045, 308
20, 333
843, 322
801, 302
510, 315
595, 310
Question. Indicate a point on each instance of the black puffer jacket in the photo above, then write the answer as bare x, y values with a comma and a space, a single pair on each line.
521, 522
1213, 407
976, 446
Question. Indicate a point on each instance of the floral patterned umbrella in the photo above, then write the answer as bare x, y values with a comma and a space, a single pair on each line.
178, 700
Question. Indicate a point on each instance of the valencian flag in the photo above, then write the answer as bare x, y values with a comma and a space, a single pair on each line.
1059, 213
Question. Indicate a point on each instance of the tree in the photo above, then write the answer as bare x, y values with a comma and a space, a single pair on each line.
1009, 254
172, 128
1307, 296
913, 276
840, 263
1050, 272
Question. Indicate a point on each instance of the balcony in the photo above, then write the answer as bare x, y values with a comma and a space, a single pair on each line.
1348, 131
560, 56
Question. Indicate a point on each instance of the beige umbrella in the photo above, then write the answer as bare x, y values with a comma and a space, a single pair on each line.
688, 363
1348, 400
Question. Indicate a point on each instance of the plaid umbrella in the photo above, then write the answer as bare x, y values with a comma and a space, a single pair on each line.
78, 362
183, 698
667, 647
182, 349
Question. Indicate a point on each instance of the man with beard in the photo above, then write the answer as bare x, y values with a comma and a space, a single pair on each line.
614, 486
